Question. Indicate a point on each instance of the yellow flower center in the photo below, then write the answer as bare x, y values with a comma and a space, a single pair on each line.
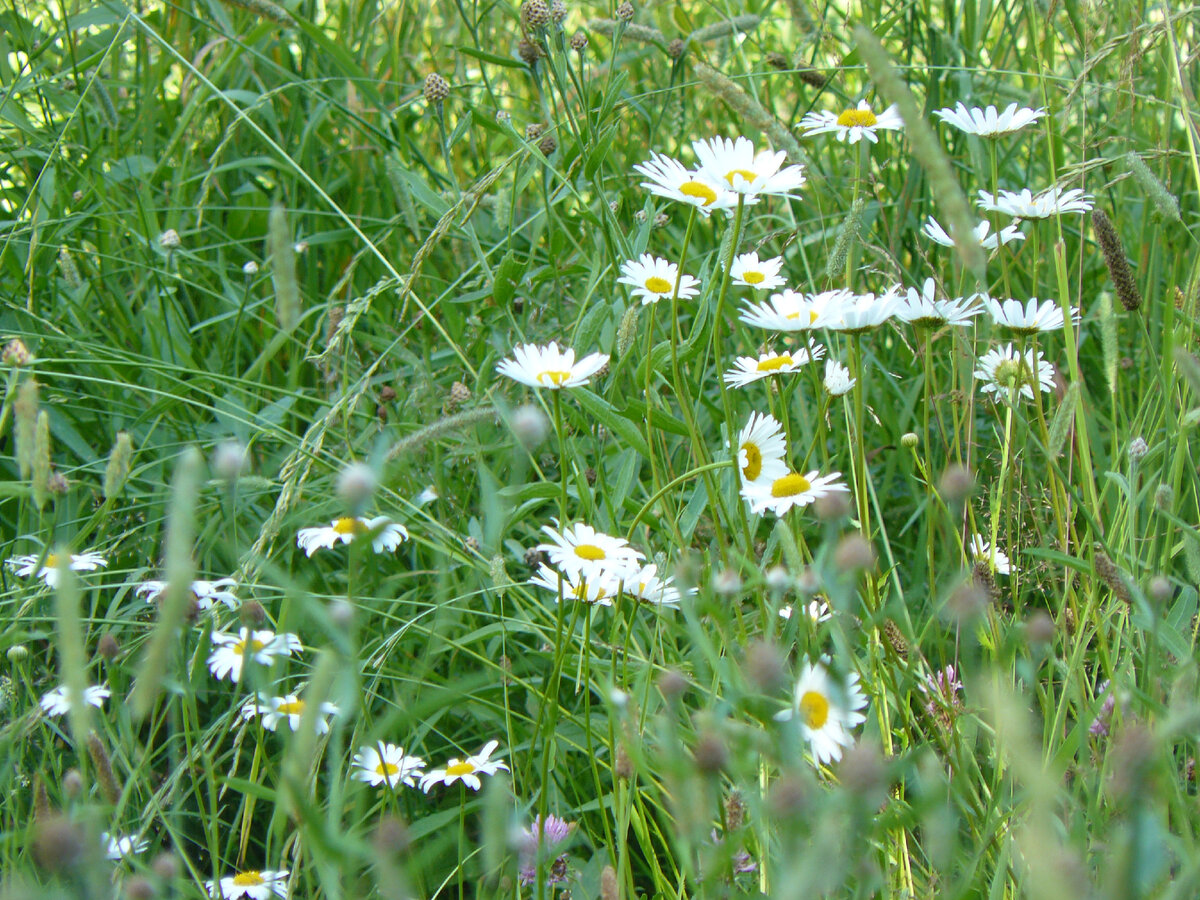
552, 377
386, 769
789, 485
812, 316
295, 708
753, 277
590, 552
862, 118
251, 645
815, 709
51, 561
347, 525
460, 768
753, 467
248, 879
775, 363
696, 189
733, 173
658, 285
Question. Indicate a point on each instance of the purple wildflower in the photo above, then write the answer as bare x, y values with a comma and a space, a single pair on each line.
541, 840
1099, 726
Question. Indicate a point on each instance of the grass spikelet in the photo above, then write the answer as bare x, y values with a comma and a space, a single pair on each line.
1113, 577
1114, 259
116, 473
41, 460
1110, 351
1189, 365
925, 147
283, 269
736, 25
435, 430
748, 109
70, 271
835, 265
1060, 425
627, 330
104, 770
25, 414
1164, 201
72, 659
644, 34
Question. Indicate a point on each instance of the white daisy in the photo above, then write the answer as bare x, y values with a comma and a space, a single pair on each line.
793, 311
761, 449
231, 650
580, 549
837, 378
988, 122
207, 593
734, 163
387, 764
792, 489
980, 549
121, 846
646, 585
936, 233
1054, 201
669, 178
826, 711
290, 709
48, 570
257, 884
922, 308
1005, 366
748, 271
748, 369
818, 611
859, 313
654, 279
599, 587
550, 367
1029, 317
385, 534
466, 770
58, 701
853, 124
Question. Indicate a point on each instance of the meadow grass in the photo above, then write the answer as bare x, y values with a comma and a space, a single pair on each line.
260, 263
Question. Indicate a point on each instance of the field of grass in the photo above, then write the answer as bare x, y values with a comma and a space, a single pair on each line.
932, 631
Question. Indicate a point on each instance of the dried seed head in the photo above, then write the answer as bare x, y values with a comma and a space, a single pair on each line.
558, 11
957, 483
710, 753
436, 89
16, 353
862, 772
548, 145
535, 15
72, 783
623, 766
727, 583
609, 886
895, 639
41, 460
676, 48
735, 811
778, 61
1160, 589
1111, 575
854, 553
831, 507
970, 599
58, 484
58, 844
1164, 497
25, 409
813, 78
388, 393
579, 41
530, 53
535, 557
165, 866
356, 483
103, 768
140, 888
624, 11
1116, 261
533, 131
789, 797
252, 614
108, 647
471, 544
778, 580
459, 393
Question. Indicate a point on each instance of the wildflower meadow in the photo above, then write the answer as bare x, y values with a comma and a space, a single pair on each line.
546, 449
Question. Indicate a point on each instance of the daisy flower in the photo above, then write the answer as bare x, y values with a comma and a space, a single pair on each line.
387, 764
290, 709
1030, 317
646, 585
988, 122
466, 770
853, 124
761, 448
734, 163
257, 884
922, 308
58, 701
654, 279
936, 233
231, 650
598, 588
818, 611
550, 367
837, 378
580, 549
669, 178
121, 846
385, 534
1003, 367
1054, 201
748, 271
826, 711
748, 369
792, 489
48, 571
793, 311
207, 593
981, 550
859, 313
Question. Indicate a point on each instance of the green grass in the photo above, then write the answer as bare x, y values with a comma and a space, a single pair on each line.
398, 251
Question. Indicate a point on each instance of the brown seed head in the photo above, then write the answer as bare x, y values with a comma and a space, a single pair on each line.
58, 844
676, 48
778, 61
579, 41
437, 88
529, 52
548, 145
535, 15
710, 753
625, 11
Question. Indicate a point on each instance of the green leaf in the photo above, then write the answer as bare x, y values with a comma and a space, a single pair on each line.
603, 411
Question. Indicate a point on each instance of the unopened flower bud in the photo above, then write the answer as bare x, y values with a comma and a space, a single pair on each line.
1039, 628
727, 583
250, 269
229, 460
625, 11
1138, 448
579, 41
169, 239
957, 483
672, 684
58, 845
535, 15
909, 440
356, 483
676, 48
17, 653
437, 89
853, 553
16, 353
558, 11
530, 426
548, 145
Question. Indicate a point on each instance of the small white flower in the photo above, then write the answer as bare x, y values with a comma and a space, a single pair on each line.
748, 369
58, 701
207, 593
748, 271
860, 313
979, 234
669, 178
581, 550
852, 125
387, 764
646, 585
290, 709
385, 534
1006, 367
231, 650
550, 367
793, 311
426, 496
48, 571
1054, 201
988, 122
826, 711
1030, 317
655, 279
466, 770
121, 846
253, 883
980, 549
922, 308
792, 489
734, 163
818, 611
837, 378
761, 449
599, 587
